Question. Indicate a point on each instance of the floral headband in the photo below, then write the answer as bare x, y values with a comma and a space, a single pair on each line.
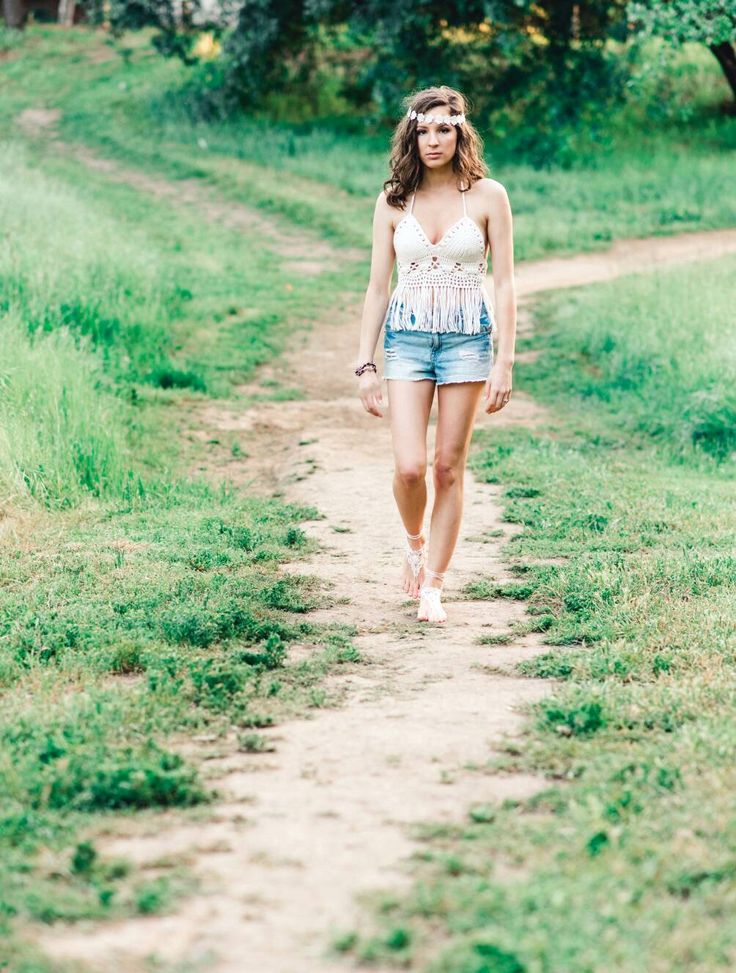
440, 119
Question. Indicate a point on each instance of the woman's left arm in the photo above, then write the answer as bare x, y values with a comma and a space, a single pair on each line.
501, 239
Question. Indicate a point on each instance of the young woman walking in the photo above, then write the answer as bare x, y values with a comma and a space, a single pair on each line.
436, 217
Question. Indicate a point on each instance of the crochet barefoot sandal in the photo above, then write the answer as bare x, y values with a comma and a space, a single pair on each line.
415, 558
430, 600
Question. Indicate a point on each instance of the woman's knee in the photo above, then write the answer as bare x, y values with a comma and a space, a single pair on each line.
446, 473
411, 472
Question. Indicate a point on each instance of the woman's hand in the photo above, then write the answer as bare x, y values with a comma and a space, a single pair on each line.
497, 391
369, 389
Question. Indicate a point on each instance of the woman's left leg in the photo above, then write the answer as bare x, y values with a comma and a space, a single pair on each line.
457, 405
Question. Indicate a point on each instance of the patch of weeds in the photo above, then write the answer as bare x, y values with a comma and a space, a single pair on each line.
271, 654
398, 939
255, 720
498, 638
579, 717
491, 958
295, 537
286, 594
550, 665
174, 378
345, 941
482, 814
152, 896
217, 682
255, 743
348, 653
687, 882
488, 590
119, 778
522, 491
83, 859
127, 657
317, 697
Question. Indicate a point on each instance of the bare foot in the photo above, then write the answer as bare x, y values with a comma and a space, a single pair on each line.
410, 583
430, 605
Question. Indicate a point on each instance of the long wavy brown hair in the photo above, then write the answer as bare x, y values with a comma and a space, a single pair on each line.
406, 166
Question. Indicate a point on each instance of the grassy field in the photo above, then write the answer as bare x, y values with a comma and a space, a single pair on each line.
628, 860
140, 608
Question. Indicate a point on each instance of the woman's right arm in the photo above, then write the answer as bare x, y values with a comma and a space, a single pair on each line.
376, 302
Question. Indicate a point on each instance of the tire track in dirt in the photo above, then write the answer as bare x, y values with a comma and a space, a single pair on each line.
301, 251
305, 832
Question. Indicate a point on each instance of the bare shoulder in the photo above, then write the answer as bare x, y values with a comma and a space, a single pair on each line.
382, 206
492, 192
384, 213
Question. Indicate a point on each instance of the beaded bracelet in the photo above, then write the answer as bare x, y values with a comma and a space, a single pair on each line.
368, 364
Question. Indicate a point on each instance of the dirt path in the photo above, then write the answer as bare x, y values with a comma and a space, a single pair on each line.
327, 812
308, 829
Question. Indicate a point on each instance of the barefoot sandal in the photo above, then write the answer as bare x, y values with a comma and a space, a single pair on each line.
415, 558
431, 594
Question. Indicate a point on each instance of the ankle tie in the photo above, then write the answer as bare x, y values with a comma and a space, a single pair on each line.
435, 574
415, 558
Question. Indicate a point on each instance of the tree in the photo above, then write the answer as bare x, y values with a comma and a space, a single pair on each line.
13, 13
177, 21
66, 12
487, 47
709, 22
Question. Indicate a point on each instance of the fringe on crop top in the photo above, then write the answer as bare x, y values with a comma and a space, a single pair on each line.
441, 286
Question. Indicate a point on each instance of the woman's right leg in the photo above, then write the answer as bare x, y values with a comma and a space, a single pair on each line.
410, 403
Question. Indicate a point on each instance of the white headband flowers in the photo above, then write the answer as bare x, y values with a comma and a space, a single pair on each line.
440, 119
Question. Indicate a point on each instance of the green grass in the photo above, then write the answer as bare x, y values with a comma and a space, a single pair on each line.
657, 352
627, 861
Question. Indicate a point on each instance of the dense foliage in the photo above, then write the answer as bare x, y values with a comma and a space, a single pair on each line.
709, 22
515, 60
543, 75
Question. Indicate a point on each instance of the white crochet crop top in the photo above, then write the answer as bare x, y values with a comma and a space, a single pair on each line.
441, 286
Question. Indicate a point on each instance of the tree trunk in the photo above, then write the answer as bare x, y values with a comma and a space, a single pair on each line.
66, 12
13, 13
726, 55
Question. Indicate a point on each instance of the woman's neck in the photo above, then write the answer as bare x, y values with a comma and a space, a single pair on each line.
437, 180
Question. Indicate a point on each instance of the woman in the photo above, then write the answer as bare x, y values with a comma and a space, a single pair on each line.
437, 216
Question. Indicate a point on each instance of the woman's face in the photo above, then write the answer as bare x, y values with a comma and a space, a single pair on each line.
436, 142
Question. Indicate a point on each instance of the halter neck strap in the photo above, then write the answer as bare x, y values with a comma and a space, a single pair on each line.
414, 196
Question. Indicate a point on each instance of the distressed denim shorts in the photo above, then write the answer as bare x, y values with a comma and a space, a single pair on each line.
443, 357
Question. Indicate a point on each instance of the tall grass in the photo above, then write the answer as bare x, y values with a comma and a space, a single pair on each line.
80, 304
657, 350
63, 264
62, 432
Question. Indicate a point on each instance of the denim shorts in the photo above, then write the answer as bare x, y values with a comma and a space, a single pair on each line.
443, 357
